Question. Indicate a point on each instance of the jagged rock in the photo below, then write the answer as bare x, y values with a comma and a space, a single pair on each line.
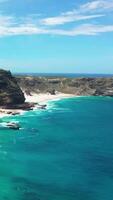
43, 107
25, 106
52, 91
27, 92
13, 125
10, 92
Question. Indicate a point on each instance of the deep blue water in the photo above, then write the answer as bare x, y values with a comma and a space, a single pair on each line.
63, 153
68, 75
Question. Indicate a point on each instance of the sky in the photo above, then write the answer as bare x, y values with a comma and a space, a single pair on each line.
56, 36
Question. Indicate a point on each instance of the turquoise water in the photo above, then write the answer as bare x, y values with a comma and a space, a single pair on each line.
63, 153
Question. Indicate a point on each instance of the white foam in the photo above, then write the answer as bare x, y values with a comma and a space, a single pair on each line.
3, 124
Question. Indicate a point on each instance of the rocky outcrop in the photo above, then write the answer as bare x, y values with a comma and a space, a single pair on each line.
10, 92
77, 86
13, 125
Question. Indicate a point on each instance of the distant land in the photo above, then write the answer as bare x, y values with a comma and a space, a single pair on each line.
70, 75
78, 86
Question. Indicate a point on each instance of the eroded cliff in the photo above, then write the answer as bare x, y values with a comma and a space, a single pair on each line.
10, 92
77, 86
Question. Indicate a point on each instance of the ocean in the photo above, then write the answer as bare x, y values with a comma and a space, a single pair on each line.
62, 153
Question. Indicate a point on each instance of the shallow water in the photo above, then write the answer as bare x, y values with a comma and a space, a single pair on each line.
63, 153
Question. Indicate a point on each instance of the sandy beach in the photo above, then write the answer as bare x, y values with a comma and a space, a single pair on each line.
44, 98
34, 98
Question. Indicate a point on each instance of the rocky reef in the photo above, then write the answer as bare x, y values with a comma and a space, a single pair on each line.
77, 86
10, 92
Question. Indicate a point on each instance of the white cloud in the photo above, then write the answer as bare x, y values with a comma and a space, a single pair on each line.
86, 29
72, 17
25, 29
6, 20
11, 25
90, 10
99, 5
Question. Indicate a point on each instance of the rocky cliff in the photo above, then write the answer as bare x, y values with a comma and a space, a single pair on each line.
77, 86
10, 92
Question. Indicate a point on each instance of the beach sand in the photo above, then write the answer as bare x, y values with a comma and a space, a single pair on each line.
44, 98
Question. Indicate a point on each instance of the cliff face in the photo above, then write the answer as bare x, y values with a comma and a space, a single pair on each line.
77, 86
10, 92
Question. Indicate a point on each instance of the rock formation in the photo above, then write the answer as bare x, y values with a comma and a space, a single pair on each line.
10, 92
77, 86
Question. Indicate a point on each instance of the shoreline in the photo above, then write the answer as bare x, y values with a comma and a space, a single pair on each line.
39, 99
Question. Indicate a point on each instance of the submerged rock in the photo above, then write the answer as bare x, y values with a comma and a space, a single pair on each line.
41, 106
13, 125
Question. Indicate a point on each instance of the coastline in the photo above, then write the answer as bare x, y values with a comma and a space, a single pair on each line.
39, 99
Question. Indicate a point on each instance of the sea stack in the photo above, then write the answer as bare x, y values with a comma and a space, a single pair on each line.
10, 92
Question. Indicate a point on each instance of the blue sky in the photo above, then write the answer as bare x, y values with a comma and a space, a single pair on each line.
56, 36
